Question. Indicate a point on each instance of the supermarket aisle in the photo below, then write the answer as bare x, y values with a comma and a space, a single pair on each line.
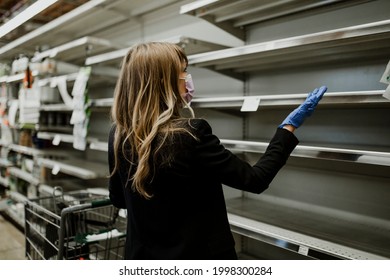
11, 241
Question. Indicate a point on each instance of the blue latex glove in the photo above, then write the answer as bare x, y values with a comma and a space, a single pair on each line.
298, 116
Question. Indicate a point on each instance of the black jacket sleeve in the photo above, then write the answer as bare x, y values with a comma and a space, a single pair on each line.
222, 165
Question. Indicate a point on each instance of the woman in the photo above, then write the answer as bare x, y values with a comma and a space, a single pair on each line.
168, 170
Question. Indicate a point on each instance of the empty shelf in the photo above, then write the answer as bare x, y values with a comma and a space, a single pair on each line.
82, 169
316, 152
326, 153
309, 233
19, 173
330, 98
38, 152
77, 50
56, 30
190, 45
230, 15
327, 47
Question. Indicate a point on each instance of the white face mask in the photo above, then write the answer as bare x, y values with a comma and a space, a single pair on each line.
190, 88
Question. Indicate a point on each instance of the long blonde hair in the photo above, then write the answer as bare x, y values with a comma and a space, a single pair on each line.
147, 103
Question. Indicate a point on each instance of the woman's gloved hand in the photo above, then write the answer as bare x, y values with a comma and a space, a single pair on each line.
298, 116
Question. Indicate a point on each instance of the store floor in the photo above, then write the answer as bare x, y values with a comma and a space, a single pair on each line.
11, 241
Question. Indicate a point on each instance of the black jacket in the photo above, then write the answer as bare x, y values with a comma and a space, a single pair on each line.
186, 218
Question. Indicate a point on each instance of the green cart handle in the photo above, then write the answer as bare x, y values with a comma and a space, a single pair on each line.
100, 203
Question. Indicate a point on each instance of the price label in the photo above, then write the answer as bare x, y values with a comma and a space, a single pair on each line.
55, 170
386, 75
56, 140
250, 104
303, 250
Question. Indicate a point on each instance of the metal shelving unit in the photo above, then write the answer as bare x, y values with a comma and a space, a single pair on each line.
316, 152
63, 29
26, 176
34, 152
306, 229
57, 138
301, 151
359, 99
316, 234
352, 98
190, 45
232, 15
82, 169
355, 98
77, 50
322, 47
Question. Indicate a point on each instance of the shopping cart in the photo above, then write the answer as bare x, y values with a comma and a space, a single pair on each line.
74, 225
